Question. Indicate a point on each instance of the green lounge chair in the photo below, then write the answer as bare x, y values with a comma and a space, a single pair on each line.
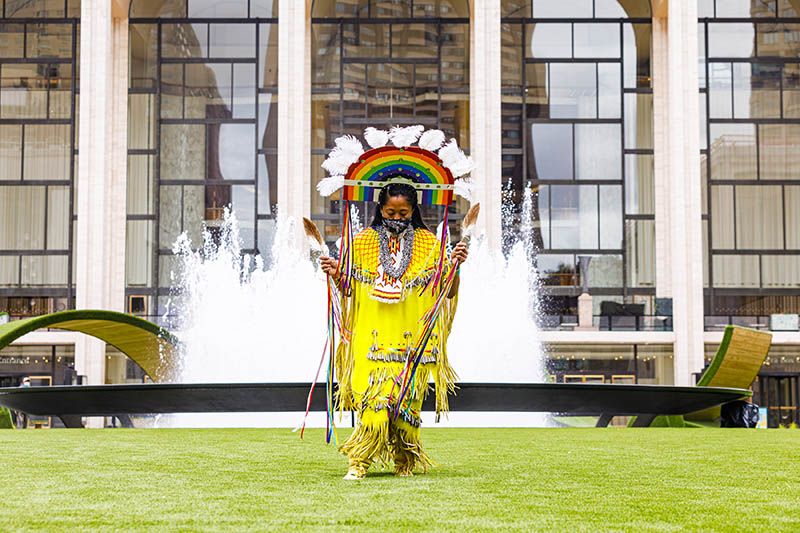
736, 364
150, 346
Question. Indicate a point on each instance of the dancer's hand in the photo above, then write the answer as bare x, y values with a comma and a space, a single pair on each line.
330, 266
460, 252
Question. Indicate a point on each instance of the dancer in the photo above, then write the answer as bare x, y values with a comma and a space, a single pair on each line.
398, 287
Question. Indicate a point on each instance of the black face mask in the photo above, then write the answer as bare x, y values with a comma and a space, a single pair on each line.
396, 226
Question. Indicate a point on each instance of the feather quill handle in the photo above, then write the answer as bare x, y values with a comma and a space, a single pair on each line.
432, 315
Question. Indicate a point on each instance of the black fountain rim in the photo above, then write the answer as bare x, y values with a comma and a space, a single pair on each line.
471, 385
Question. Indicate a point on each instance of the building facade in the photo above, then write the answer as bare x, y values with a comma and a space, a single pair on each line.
657, 137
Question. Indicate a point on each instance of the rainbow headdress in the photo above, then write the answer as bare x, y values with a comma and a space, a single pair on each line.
435, 168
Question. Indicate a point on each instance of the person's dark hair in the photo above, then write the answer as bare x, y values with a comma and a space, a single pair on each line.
408, 192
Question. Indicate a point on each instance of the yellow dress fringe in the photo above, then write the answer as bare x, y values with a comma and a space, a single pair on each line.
370, 365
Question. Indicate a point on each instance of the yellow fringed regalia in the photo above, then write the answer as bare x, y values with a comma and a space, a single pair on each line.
384, 328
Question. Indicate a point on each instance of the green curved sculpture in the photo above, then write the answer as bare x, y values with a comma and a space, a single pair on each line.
150, 346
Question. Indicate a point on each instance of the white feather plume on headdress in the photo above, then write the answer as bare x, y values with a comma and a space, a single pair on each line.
330, 185
453, 158
347, 151
431, 140
376, 138
402, 137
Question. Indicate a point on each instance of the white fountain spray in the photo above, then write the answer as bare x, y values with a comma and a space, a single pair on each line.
243, 321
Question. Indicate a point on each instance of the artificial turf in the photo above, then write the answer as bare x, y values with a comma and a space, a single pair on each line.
521, 479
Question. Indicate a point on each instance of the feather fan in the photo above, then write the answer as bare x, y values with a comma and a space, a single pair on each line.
376, 138
405, 136
431, 140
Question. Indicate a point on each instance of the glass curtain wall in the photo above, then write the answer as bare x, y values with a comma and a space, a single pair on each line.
202, 131
750, 155
577, 110
39, 45
382, 64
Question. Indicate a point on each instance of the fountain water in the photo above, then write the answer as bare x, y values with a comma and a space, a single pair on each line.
242, 320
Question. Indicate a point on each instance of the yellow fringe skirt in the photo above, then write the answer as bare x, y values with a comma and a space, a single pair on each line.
378, 436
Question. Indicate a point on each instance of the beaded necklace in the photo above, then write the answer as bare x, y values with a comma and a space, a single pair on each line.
389, 268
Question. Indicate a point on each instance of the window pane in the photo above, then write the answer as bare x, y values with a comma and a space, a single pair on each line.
759, 217
779, 151
720, 90
22, 218
49, 40
10, 152
639, 121
141, 123
232, 40
268, 56
47, 152
639, 185
573, 90
722, 224
366, 40
58, 216
12, 38
217, 9
598, 152
605, 271
44, 271
549, 40
140, 184
244, 91
550, 156
415, 40
731, 39
562, 9
208, 90
537, 98
745, 8
596, 40
264, 8
184, 40
24, 92
574, 217
143, 42
183, 154
139, 253
235, 149
791, 90
735, 271
778, 40
640, 252
780, 271
557, 269
610, 217
610, 101
792, 201
756, 90
733, 151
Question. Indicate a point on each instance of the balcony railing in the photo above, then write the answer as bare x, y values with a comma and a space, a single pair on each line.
608, 322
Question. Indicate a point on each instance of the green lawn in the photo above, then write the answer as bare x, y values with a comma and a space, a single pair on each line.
543, 479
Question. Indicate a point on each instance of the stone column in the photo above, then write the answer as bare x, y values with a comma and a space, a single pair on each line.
678, 200
294, 108
102, 172
485, 114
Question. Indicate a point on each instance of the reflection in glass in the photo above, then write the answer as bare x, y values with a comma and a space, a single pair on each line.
598, 151
779, 151
574, 216
549, 40
573, 90
551, 151
731, 39
733, 151
596, 40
